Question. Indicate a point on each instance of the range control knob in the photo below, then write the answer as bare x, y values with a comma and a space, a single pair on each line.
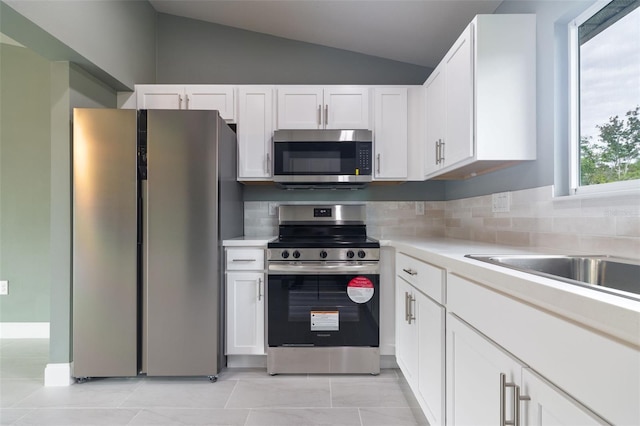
296, 254
350, 254
323, 254
361, 254
285, 254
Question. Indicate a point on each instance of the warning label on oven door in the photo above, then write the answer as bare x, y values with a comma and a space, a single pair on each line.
360, 289
325, 321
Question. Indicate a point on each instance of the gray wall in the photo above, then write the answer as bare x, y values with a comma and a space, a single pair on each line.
25, 133
114, 39
197, 52
551, 166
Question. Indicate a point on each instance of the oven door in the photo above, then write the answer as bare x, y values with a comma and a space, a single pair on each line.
323, 305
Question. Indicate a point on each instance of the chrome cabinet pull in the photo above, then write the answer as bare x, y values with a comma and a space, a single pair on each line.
268, 164
515, 401
406, 306
179, 102
186, 101
259, 288
319, 115
438, 151
326, 115
410, 271
411, 315
378, 158
442, 152
244, 260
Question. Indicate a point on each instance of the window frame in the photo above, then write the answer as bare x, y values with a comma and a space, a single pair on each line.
574, 114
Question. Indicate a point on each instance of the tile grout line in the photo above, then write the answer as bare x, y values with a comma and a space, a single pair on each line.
231, 394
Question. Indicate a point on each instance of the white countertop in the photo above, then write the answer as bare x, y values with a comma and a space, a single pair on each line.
607, 313
247, 242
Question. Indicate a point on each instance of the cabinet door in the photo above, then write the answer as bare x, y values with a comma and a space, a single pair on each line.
430, 318
300, 107
550, 406
436, 118
160, 96
245, 313
474, 388
347, 108
458, 144
255, 132
390, 133
406, 332
210, 97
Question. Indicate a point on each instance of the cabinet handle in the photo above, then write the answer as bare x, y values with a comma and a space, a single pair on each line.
244, 260
438, 151
406, 306
378, 158
412, 300
326, 115
516, 402
259, 288
186, 101
319, 115
179, 102
410, 271
268, 164
517, 398
442, 152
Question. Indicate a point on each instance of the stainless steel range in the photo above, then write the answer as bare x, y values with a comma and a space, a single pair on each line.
323, 292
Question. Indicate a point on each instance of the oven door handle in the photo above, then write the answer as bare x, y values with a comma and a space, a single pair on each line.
313, 268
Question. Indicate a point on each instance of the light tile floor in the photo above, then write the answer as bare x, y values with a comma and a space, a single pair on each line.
239, 397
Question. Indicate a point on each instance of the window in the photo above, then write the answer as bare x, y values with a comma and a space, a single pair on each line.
605, 47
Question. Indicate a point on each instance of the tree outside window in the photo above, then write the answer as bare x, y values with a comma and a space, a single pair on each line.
609, 67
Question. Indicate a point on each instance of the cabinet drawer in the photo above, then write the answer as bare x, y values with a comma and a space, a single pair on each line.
427, 278
244, 259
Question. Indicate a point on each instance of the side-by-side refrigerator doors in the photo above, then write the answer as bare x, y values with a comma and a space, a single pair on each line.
181, 239
104, 243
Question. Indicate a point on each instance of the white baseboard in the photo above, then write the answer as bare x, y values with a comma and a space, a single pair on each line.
24, 330
246, 361
58, 374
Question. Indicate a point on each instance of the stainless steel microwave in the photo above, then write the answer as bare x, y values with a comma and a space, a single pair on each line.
322, 157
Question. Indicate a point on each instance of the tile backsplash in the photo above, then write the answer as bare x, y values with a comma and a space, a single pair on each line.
608, 225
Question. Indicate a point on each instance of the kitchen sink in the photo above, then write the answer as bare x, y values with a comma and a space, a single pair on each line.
615, 275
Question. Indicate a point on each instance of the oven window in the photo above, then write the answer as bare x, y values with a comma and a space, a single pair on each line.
294, 299
325, 295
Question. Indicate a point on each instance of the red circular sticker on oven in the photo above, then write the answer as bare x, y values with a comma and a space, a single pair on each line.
360, 289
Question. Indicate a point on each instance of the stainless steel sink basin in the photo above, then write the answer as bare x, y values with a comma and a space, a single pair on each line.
614, 275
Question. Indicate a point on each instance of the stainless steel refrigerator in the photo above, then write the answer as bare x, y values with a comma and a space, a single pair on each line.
154, 194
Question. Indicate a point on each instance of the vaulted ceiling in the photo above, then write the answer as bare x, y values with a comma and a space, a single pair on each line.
413, 31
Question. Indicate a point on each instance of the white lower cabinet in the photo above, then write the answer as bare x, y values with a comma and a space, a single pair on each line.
488, 386
420, 334
550, 406
474, 369
245, 313
245, 301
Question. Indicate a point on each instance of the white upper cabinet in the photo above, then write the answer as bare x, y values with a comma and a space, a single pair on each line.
481, 99
255, 132
317, 107
390, 133
206, 96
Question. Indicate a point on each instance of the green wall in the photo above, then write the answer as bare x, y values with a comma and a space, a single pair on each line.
25, 133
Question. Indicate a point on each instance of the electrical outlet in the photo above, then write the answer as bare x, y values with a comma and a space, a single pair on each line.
273, 209
420, 208
4, 288
501, 202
